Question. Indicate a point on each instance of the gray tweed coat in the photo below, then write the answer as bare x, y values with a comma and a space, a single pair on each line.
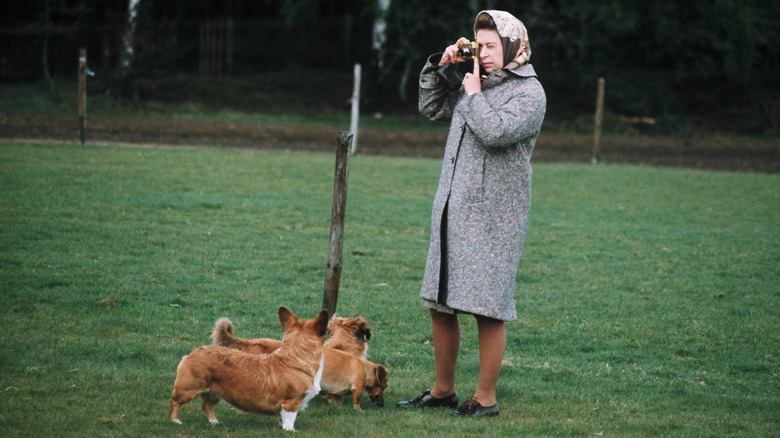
485, 185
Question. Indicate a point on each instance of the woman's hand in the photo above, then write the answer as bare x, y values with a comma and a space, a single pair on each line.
451, 52
472, 83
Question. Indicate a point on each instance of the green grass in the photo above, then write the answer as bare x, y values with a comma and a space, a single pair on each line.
648, 297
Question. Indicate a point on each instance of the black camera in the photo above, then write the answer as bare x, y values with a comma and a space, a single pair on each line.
452, 74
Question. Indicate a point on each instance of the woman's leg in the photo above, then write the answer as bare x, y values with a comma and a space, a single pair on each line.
446, 343
492, 342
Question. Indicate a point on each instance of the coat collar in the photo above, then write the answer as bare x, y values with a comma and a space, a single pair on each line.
524, 71
498, 76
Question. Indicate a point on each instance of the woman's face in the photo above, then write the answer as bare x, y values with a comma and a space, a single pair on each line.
491, 53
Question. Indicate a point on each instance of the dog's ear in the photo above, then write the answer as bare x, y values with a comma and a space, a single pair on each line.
364, 333
321, 323
381, 374
366, 329
286, 317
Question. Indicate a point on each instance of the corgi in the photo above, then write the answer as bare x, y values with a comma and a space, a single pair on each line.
344, 372
281, 382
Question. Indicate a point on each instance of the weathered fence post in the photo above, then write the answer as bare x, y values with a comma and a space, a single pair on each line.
353, 126
82, 94
333, 274
596, 158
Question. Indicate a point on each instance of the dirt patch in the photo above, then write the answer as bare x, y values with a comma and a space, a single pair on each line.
726, 154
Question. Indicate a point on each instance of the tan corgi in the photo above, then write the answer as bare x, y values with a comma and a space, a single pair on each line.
344, 373
281, 382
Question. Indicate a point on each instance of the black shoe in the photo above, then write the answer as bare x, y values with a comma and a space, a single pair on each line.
472, 408
426, 400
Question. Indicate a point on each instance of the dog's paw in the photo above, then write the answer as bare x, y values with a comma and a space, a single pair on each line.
213, 421
288, 428
287, 420
176, 421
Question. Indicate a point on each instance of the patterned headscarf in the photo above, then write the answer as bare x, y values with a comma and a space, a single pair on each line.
513, 34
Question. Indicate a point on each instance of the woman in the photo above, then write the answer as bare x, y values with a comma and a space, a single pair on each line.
480, 212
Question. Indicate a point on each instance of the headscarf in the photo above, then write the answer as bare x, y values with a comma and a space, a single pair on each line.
513, 34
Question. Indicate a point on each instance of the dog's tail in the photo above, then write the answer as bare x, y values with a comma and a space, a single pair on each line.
223, 333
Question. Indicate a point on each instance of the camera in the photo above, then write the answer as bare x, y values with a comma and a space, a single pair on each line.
451, 75
468, 50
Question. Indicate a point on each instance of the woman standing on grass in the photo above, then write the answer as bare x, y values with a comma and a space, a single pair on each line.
480, 212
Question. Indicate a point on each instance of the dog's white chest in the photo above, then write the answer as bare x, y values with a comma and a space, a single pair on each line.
315, 388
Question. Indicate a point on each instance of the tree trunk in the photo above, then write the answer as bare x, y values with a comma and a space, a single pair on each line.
123, 82
379, 34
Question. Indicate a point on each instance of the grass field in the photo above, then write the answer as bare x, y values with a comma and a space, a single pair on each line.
649, 298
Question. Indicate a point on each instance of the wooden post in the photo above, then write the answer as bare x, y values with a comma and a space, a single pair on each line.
82, 93
596, 158
353, 126
333, 274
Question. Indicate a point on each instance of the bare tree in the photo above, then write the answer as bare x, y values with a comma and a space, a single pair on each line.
123, 84
379, 34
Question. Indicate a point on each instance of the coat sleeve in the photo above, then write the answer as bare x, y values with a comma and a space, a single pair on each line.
435, 102
520, 117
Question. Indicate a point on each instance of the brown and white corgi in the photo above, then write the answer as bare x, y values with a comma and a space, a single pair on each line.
281, 382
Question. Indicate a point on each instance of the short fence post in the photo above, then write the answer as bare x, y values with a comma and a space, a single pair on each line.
82, 94
596, 158
333, 274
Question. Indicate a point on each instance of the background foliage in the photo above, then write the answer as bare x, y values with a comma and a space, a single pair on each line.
713, 63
